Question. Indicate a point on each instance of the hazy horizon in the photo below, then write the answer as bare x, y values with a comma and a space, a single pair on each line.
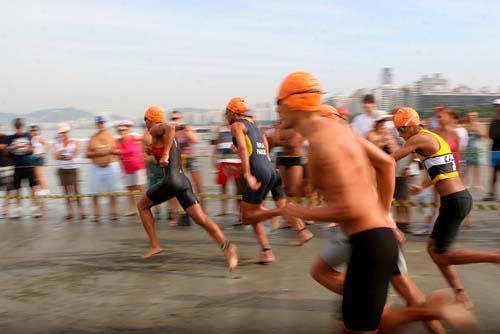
120, 57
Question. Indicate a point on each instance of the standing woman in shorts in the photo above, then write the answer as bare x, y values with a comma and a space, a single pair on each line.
187, 137
40, 150
66, 153
131, 156
472, 151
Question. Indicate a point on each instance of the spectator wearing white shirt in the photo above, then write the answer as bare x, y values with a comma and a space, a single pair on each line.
364, 122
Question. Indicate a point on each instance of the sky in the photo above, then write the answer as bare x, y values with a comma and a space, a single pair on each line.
122, 56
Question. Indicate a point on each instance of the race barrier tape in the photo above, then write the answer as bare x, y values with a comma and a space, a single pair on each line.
303, 200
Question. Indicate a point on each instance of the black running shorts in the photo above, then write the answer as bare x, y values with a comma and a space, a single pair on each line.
268, 183
374, 255
180, 188
452, 212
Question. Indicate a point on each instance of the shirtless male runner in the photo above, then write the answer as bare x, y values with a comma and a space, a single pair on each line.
103, 151
259, 177
339, 165
456, 201
336, 252
174, 184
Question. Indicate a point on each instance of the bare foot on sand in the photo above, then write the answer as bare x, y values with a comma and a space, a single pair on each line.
459, 317
266, 257
304, 236
151, 252
231, 254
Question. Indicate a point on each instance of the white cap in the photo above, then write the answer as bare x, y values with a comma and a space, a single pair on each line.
125, 124
496, 102
63, 127
380, 115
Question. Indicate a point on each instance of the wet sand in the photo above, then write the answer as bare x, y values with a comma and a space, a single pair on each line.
83, 277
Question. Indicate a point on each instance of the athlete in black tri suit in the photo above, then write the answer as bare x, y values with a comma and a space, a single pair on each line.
259, 175
174, 184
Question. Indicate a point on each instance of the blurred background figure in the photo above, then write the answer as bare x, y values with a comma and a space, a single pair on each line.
102, 150
433, 121
66, 153
228, 166
494, 134
380, 135
40, 151
462, 133
472, 161
132, 159
363, 123
344, 113
6, 173
187, 138
447, 130
20, 149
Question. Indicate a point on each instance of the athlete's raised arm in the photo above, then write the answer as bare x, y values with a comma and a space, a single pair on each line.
385, 168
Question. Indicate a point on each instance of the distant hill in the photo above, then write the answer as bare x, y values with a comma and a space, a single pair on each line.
54, 115
193, 110
49, 117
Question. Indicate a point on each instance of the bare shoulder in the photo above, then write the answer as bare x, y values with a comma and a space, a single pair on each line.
236, 127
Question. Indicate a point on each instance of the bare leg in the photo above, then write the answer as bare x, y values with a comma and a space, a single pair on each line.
198, 185
173, 211
6, 203
327, 276
113, 201
303, 233
256, 213
97, 214
446, 261
239, 191
196, 213
79, 201
456, 315
223, 202
476, 173
148, 222
414, 297
69, 214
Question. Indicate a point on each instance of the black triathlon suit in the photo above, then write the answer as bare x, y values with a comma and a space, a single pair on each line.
260, 167
174, 183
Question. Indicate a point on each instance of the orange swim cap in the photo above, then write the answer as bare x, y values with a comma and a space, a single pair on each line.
406, 116
329, 112
154, 114
300, 91
237, 105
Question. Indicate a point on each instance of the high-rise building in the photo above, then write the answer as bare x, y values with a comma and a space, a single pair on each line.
338, 100
407, 96
386, 97
432, 84
386, 76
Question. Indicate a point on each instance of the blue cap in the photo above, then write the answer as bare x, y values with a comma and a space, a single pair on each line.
100, 119
496, 102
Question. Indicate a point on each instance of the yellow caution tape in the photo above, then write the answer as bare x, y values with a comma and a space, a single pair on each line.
302, 200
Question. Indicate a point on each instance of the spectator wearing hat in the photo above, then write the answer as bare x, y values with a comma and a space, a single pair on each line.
103, 150
66, 153
494, 134
132, 159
